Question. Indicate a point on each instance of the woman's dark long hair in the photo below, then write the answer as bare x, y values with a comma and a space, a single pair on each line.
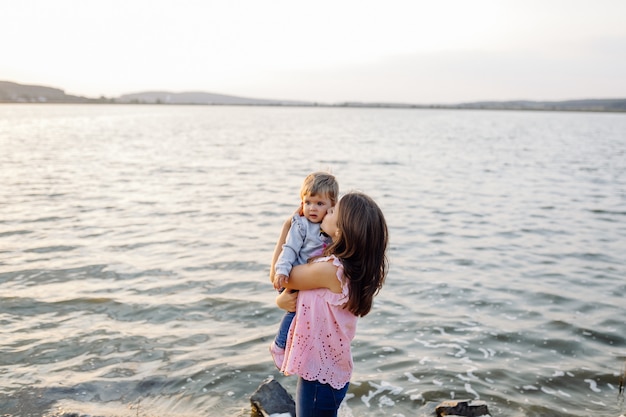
361, 246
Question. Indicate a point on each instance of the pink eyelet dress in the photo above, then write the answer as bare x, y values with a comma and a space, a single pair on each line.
318, 344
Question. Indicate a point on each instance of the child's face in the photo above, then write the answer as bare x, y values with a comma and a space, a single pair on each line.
315, 207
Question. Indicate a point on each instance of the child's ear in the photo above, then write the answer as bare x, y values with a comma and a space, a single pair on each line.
301, 210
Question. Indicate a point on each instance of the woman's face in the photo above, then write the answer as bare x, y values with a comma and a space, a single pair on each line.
329, 223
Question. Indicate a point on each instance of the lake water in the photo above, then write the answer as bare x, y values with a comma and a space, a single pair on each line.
135, 243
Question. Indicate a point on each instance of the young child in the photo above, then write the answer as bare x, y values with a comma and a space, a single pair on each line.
304, 240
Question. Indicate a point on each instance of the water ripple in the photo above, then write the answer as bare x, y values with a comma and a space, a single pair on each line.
135, 244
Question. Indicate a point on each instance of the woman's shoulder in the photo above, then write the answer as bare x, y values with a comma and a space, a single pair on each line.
325, 272
332, 269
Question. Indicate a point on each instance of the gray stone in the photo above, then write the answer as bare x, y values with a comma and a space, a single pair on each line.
464, 408
271, 398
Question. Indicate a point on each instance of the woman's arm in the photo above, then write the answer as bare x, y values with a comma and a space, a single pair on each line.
279, 247
314, 275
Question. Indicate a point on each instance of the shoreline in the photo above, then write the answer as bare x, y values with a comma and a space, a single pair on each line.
339, 105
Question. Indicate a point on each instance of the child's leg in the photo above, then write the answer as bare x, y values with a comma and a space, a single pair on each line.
277, 348
283, 331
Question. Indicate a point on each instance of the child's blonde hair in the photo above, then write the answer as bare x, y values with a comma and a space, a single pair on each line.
320, 183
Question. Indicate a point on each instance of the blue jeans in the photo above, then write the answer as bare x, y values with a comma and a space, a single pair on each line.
314, 399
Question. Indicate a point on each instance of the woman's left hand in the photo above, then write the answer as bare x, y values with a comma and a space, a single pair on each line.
287, 300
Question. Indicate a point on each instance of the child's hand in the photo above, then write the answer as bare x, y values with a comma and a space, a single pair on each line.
280, 280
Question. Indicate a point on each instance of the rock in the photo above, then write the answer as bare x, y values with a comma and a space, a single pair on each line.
465, 408
271, 399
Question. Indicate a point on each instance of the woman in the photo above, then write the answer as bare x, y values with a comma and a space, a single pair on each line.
334, 291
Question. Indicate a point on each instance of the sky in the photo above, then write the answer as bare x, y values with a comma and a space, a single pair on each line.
393, 51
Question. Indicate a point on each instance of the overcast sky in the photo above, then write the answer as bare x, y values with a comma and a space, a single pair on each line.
413, 51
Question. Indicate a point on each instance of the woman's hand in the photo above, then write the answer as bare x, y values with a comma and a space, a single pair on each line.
287, 300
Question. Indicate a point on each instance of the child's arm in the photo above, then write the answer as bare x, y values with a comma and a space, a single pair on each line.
281, 241
314, 275
290, 254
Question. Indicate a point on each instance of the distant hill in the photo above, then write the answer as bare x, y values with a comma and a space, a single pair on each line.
20, 93
199, 97
11, 92
568, 105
